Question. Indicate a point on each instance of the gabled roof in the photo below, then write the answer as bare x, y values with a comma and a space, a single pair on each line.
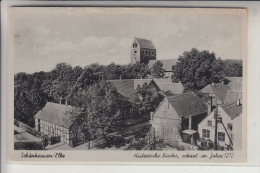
187, 104
125, 87
232, 109
141, 82
218, 89
167, 63
233, 96
23, 136
59, 114
162, 80
235, 83
174, 88
147, 44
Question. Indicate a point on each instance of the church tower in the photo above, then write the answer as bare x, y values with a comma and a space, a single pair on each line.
142, 50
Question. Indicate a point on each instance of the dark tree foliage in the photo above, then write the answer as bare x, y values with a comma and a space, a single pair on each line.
196, 69
233, 68
157, 70
99, 104
145, 99
32, 91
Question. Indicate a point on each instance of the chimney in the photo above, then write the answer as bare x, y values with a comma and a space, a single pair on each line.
210, 106
213, 83
151, 115
66, 102
238, 102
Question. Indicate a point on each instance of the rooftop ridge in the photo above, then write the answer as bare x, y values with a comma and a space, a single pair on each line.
180, 95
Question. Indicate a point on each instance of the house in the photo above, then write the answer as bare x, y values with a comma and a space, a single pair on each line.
230, 89
229, 130
171, 88
217, 91
127, 90
57, 120
167, 86
142, 50
167, 65
233, 95
235, 83
177, 117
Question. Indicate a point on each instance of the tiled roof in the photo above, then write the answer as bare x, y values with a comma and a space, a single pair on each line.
187, 104
162, 80
235, 83
23, 136
141, 82
147, 44
174, 88
58, 114
218, 89
232, 109
125, 87
167, 63
233, 96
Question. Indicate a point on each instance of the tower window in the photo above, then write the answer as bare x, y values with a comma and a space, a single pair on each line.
135, 53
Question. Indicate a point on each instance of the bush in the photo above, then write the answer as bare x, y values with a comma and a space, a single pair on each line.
109, 141
138, 144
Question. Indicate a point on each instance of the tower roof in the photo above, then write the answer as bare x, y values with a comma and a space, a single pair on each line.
147, 44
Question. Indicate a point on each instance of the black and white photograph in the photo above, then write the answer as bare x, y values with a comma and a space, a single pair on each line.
137, 80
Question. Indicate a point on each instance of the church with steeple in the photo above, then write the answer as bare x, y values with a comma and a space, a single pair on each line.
142, 50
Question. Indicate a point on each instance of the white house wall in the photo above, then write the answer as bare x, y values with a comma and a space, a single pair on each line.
166, 122
236, 137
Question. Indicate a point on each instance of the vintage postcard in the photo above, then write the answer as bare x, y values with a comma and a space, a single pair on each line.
135, 85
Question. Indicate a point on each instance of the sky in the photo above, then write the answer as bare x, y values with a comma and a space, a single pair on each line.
42, 37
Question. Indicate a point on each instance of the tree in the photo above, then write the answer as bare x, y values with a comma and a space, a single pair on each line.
145, 100
196, 69
157, 70
99, 103
233, 68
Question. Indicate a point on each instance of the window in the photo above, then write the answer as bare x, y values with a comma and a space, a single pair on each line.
209, 123
205, 133
135, 53
146, 52
221, 136
230, 126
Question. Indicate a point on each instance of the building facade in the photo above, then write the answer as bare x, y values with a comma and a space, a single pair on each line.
230, 131
178, 114
57, 120
142, 51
